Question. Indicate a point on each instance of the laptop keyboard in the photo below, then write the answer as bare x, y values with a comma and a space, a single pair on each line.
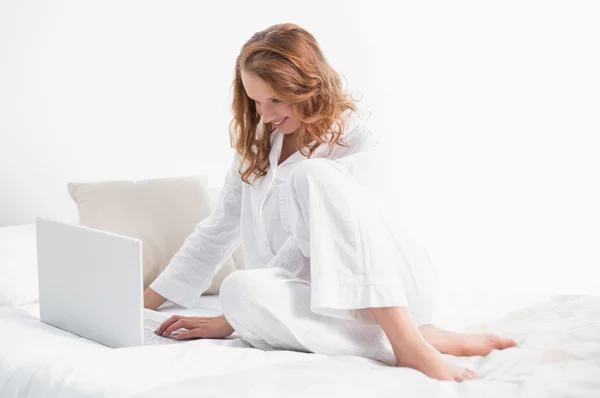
151, 338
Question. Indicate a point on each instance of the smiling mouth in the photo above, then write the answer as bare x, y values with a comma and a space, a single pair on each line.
281, 122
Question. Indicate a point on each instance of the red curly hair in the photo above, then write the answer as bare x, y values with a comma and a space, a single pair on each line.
288, 59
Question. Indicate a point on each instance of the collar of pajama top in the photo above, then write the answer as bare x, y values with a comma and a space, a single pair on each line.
282, 171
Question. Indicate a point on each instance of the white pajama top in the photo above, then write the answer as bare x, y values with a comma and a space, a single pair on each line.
259, 217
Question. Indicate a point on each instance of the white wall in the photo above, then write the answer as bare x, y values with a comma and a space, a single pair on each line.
491, 113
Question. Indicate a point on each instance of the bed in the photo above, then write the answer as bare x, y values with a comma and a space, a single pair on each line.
559, 353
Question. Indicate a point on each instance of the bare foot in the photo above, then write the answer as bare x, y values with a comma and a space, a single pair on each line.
464, 344
428, 360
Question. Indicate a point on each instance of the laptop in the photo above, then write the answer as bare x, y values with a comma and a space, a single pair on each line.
91, 284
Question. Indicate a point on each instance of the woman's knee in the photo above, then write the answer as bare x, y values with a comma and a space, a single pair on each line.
243, 289
237, 295
234, 290
316, 170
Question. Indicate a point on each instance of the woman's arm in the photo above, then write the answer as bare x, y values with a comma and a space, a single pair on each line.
152, 300
192, 268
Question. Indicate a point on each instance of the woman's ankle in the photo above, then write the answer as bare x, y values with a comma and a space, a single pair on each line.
413, 353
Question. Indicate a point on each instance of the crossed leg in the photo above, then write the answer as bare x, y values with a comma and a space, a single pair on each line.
270, 309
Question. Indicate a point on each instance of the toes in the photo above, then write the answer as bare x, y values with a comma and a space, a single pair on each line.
459, 376
500, 343
512, 343
466, 374
471, 375
507, 343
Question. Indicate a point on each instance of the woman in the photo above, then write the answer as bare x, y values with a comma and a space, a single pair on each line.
326, 271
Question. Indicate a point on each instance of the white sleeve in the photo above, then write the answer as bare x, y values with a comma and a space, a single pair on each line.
291, 258
191, 270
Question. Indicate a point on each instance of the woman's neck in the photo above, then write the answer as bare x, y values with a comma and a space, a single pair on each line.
288, 147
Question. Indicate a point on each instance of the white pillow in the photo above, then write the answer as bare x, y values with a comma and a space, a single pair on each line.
18, 265
159, 212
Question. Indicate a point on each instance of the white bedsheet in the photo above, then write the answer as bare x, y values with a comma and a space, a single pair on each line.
38, 360
559, 356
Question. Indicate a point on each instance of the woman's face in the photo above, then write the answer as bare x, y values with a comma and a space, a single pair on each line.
270, 109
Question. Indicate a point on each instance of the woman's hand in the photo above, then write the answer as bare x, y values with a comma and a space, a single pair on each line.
199, 327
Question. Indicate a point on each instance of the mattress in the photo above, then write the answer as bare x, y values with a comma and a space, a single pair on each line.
559, 355
39, 360
559, 352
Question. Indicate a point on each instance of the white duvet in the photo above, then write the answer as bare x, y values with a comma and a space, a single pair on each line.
559, 356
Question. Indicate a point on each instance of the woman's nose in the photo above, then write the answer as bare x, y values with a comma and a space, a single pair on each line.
266, 118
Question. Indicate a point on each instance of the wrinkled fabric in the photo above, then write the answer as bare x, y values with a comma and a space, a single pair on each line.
322, 219
278, 317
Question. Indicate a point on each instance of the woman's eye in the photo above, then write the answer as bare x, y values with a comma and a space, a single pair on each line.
274, 101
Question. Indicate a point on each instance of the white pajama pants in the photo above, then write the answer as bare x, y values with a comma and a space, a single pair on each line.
344, 258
